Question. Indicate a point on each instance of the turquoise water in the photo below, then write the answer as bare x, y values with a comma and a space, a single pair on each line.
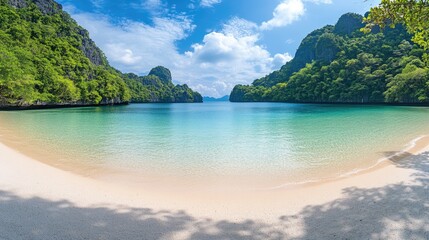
299, 142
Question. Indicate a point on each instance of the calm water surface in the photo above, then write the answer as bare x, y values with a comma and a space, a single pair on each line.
299, 142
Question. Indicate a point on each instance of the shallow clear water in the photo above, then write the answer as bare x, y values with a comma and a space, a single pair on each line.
299, 142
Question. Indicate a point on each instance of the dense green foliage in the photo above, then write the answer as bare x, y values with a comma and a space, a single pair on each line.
158, 87
414, 14
42, 62
341, 64
46, 58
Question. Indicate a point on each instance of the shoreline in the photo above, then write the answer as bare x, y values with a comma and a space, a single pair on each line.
187, 189
58, 106
423, 105
9, 138
416, 146
9, 108
247, 182
24, 178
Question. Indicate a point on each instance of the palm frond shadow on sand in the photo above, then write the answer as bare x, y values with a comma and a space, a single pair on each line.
398, 211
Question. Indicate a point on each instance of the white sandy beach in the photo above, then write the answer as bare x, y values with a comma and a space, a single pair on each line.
38, 201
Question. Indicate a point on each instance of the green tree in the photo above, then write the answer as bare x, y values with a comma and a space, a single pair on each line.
414, 14
344, 65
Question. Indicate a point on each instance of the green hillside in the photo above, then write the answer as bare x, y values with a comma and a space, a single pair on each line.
158, 87
340, 64
46, 58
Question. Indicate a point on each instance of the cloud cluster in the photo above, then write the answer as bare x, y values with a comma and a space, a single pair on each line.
226, 57
133, 46
229, 57
285, 13
222, 60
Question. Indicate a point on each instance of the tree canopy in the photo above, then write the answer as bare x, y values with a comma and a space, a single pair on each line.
46, 58
414, 14
340, 64
158, 87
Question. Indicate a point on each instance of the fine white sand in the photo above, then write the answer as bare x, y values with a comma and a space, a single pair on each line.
38, 201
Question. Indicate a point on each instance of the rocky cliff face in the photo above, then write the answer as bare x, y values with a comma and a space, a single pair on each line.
318, 45
51, 7
51, 61
348, 23
45, 6
162, 73
62, 66
306, 53
158, 87
340, 64
307, 50
18, 3
90, 49
327, 47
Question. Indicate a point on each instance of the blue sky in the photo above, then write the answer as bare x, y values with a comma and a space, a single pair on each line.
211, 45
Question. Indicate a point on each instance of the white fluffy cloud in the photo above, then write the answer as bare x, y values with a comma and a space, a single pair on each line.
226, 57
237, 57
213, 67
280, 59
229, 57
209, 3
133, 46
223, 60
122, 54
285, 13
289, 11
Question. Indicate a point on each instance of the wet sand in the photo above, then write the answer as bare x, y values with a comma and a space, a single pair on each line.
40, 201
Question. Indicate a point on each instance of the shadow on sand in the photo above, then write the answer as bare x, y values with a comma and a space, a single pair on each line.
398, 211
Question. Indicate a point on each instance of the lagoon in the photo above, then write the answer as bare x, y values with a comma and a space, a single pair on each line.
285, 143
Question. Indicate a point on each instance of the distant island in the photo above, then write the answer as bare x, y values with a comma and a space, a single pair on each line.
49, 60
212, 99
341, 64
158, 87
